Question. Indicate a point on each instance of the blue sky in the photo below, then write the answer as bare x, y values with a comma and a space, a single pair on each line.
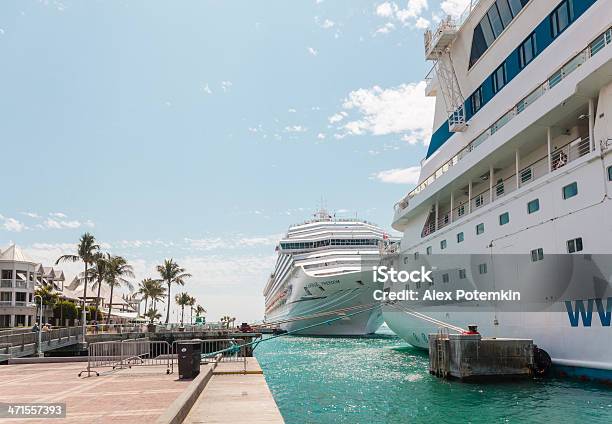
200, 130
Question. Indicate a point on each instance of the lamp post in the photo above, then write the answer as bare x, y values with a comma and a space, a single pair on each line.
40, 353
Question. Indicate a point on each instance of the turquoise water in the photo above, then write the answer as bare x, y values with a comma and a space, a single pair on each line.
384, 380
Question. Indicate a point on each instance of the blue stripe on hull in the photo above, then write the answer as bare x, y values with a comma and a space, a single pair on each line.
582, 373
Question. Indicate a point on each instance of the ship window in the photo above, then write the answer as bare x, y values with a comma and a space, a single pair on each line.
479, 45
443, 245
516, 6
504, 218
574, 245
609, 173
482, 268
537, 254
480, 228
499, 78
429, 250
461, 209
560, 18
460, 237
498, 17
445, 278
479, 201
533, 206
462, 274
496, 22
477, 100
527, 50
504, 12
570, 190
487, 32
416, 255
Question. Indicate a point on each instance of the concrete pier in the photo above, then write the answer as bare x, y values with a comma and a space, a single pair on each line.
233, 396
473, 357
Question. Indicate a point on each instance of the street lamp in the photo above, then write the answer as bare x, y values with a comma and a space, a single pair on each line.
40, 353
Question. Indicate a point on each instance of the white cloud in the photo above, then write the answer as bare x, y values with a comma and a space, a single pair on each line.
291, 110
312, 51
206, 89
58, 215
399, 110
327, 23
386, 9
399, 176
225, 85
337, 117
295, 129
422, 23
63, 224
321, 136
11, 224
454, 7
33, 215
385, 29
411, 14
232, 242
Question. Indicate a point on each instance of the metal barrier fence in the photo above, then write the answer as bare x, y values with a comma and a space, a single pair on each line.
144, 352
231, 350
129, 353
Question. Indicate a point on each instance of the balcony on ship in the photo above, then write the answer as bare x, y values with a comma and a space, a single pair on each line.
509, 174
568, 93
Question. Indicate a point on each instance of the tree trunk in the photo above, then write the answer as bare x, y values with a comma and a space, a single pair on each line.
146, 302
182, 314
98, 297
110, 305
168, 308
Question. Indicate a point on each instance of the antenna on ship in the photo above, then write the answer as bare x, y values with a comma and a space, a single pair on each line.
322, 214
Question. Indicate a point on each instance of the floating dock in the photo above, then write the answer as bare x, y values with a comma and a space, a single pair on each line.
470, 356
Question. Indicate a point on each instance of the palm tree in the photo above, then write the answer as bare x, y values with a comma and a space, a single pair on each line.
226, 321
192, 302
48, 297
98, 273
171, 272
182, 299
152, 314
146, 288
199, 310
117, 270
158, 293
86, 251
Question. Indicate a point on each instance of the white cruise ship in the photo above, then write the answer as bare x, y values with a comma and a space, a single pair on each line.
519, 163
324, 271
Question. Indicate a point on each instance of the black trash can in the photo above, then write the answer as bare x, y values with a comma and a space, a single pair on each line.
189, 355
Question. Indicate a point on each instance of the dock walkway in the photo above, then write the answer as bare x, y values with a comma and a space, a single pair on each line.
233, 396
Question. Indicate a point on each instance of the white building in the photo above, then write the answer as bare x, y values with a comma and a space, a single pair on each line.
18, 277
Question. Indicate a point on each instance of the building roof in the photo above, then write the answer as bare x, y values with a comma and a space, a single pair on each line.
15, 254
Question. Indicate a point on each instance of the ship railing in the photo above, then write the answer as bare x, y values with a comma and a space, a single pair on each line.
559, 157
601, 41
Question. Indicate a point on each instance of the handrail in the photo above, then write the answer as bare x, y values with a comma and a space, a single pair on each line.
598, 43
580, 143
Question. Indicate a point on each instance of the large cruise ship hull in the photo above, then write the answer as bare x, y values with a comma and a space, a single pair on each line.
565, 307
345, 307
